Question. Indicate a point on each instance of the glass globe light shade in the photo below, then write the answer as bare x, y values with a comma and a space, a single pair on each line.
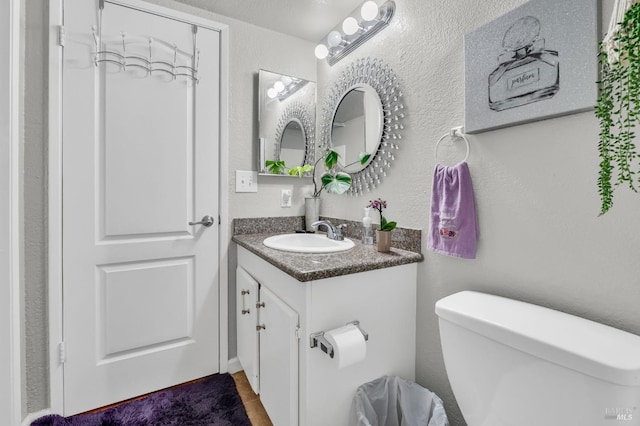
369, 10
272, 93
321, 51
279, 86
286, 80
350, 26
334, 38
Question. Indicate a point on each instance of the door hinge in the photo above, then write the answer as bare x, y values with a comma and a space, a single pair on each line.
61, 35
297, 332
62, 353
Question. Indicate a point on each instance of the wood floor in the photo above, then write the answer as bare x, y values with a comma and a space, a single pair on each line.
251, 401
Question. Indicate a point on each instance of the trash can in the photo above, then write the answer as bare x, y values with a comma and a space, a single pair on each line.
392, 401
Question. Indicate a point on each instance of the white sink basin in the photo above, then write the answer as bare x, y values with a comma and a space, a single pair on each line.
307, 243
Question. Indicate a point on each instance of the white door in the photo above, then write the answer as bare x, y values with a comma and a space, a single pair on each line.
140, 161
278, 359
246, 321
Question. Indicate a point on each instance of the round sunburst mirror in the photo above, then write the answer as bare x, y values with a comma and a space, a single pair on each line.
362, 120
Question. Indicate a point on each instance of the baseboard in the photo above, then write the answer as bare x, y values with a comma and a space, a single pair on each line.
34, 416
234, 365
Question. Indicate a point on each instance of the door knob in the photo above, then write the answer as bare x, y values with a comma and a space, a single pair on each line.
206, 221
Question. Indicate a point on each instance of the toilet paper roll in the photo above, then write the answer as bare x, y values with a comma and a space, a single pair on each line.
348, 344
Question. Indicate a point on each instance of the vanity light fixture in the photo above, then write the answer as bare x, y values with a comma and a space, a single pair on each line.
362, 24
369, 10
350, 26
279, 86
321, 51
334, 39
284, 88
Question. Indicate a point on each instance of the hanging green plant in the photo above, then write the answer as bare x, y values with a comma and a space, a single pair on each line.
618, 108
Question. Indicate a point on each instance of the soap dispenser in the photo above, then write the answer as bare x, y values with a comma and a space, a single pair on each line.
367, 232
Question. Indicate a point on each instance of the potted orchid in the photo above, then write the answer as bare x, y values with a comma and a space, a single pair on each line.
383, 235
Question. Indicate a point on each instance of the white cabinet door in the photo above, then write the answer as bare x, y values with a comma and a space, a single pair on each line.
278, 359
246, 319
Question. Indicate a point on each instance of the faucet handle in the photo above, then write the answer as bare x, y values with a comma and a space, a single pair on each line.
333, 232
338, 234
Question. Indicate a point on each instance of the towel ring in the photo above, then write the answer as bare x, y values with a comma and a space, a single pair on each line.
455, 132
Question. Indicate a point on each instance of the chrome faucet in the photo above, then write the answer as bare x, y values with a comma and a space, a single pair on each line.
333, 232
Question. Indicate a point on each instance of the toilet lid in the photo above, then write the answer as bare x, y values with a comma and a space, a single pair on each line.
577, 343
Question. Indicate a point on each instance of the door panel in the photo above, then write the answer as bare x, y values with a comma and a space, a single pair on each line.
133, 132
140, 156
124, 327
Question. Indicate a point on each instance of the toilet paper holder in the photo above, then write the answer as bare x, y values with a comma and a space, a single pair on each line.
318, 340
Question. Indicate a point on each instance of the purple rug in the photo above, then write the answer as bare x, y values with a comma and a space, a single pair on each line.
213, 401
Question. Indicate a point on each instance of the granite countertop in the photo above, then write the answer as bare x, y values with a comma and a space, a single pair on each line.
311, 266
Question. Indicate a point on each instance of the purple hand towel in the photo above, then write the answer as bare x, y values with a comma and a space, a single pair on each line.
453, 227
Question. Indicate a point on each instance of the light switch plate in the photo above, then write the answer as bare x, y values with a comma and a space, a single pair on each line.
285, 198
246, 181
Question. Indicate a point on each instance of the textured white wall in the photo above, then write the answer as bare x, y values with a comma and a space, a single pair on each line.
535, 185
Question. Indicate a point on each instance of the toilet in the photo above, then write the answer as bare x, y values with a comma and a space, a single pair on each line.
512, 363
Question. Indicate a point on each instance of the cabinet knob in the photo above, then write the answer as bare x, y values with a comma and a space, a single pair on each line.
245, 311
261, 327
259, 305
243, 292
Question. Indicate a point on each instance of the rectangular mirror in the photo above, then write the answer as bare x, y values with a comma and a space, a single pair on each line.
287, 122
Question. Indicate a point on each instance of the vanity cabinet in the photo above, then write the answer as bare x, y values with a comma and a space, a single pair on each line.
246, 324
303, 386
268, 348
278, 359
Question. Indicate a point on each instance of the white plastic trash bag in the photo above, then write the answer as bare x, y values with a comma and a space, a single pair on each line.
392, 401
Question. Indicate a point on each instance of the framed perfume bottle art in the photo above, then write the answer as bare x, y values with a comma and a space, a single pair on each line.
527, 72
535, 62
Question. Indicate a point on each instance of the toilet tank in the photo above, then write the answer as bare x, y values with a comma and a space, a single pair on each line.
512, 363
